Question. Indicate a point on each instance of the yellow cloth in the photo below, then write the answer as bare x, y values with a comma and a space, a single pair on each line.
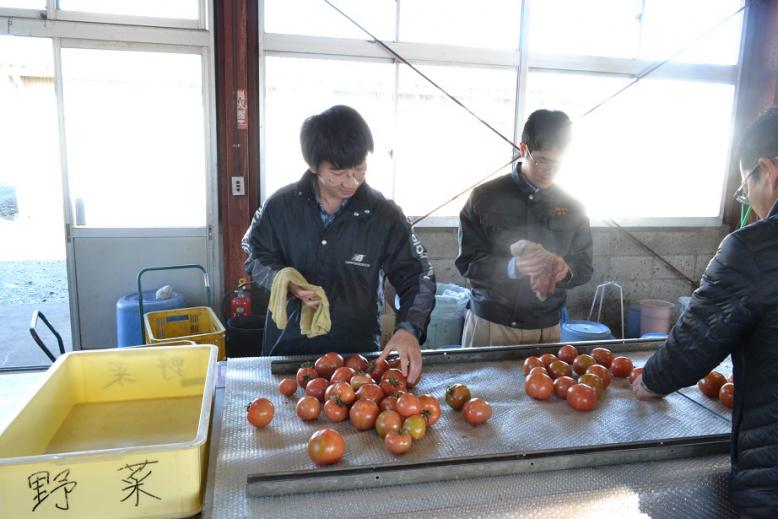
313, 322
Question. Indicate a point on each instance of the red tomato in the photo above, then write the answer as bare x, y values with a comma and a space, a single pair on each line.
370, 392
582, 362
260, 412
476, 411
408, 405
539, 386
360, 379
340, 390
357, 362
561, 385
582, 397
308, 408
567, 353
711, 384
342, 374
288, 387
327, 364
388, 421
621, 367
317, 387
335, 410
305, 375
393, 381
532, 362
376, 368
547, 358
416, 426
559, 368
602, 372
398, 443
363, 414
430, 409
727, 394
602, 356
326, 447
457, 395
536, 371
634, 374
389, 403
592, 380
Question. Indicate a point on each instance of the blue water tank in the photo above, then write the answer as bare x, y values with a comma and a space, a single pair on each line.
575, 331
128, 316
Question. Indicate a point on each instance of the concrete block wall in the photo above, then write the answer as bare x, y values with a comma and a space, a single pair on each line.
616, 257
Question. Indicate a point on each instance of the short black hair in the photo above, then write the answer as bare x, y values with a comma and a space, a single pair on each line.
338, 135
760, 139
546, 129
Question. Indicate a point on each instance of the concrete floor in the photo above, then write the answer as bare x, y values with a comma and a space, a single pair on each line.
17, 348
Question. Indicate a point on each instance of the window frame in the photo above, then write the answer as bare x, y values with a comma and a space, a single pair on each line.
304, 46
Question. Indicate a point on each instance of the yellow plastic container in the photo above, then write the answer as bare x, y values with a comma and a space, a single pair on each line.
198, 324
112, 433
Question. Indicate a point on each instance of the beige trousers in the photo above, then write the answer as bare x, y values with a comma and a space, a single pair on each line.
480, 332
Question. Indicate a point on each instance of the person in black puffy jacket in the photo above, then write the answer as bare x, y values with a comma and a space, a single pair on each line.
735, 312
344, 236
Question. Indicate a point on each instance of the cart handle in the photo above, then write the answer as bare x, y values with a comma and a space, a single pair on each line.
206, 284
36, 314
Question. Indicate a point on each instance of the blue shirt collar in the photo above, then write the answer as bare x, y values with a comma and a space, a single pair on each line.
327, 218
522, 183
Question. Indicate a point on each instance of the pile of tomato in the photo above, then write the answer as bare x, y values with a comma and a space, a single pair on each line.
715, 385
580, 379
371, 395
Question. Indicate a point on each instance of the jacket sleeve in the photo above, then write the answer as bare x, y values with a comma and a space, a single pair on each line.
579, 259
264, 258
719, 314
410, 273
475, 261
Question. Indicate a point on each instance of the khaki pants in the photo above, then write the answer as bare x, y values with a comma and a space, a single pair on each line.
480, 332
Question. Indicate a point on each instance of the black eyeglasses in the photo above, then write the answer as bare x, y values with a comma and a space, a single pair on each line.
741, 194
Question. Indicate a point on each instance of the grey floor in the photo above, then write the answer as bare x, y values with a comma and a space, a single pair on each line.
17, 348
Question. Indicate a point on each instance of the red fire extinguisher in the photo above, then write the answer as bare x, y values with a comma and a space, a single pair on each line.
240, 303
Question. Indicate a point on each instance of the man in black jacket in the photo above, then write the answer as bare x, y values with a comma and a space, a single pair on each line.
344, 236
506, 306
735, 312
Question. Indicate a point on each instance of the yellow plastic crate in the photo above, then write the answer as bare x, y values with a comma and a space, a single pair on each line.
112, 433
198, 324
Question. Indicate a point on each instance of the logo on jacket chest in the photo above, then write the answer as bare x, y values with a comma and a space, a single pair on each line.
358, 260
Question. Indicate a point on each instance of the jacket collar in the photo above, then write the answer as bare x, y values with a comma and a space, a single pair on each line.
774, 210
523, 184
360, 205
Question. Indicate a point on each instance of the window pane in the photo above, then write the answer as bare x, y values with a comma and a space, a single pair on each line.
135, 138
592, 28
316, 18
154, 8
493, 24
24, 4
298, 88
670, 25
657, 150
441, 149
32, 238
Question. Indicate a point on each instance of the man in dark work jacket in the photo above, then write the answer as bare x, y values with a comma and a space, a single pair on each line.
524, 205
344, 236
735, 312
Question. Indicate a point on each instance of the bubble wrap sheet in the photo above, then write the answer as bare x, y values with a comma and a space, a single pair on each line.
519, 424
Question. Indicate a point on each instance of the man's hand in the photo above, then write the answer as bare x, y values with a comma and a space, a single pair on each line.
308, 297
407, 347
561, 269
642, 392
532, 264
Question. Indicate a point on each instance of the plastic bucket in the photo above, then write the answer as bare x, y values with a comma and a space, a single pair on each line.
633, 322
128, 317
576, 331
655, 316
244, 336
